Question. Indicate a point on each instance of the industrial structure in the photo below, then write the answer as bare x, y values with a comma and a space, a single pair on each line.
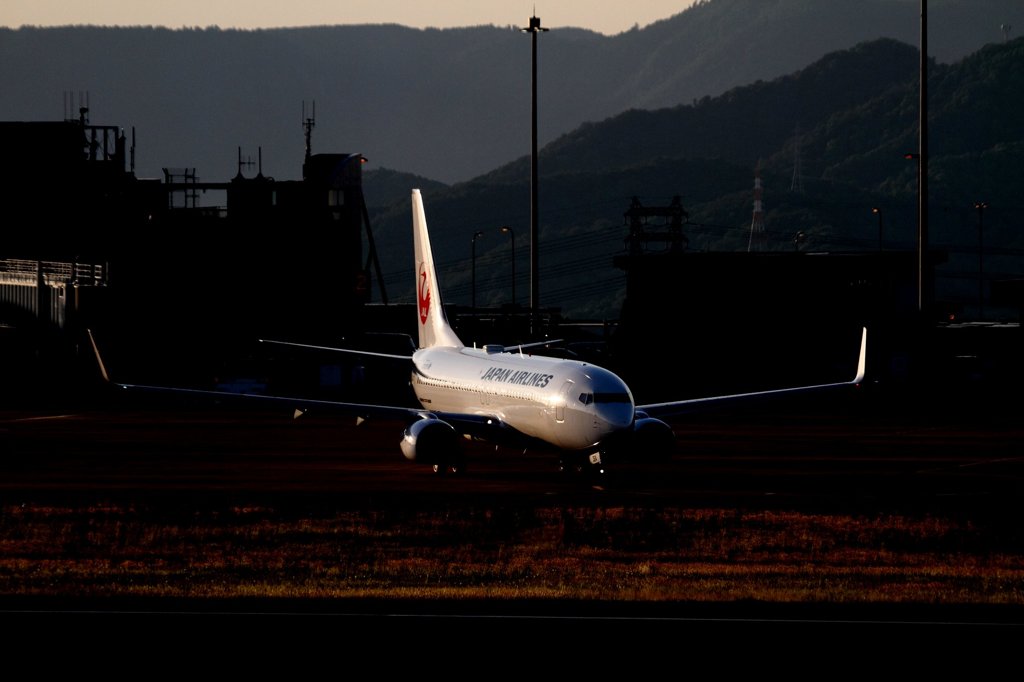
742, 320
89, 244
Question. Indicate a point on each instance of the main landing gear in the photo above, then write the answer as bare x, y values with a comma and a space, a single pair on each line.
456, 466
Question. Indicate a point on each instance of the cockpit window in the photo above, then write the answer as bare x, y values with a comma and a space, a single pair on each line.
611, 398
586, 398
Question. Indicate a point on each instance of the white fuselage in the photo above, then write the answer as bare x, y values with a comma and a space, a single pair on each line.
570, 404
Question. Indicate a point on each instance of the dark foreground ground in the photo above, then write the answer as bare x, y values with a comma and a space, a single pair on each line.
869, 515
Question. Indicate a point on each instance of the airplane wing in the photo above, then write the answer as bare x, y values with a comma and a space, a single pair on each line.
679, 407
307, 346
300, 405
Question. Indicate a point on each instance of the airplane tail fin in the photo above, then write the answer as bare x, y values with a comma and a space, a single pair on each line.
434, 329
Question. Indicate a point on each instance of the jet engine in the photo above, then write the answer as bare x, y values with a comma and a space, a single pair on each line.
435, 442
652, 438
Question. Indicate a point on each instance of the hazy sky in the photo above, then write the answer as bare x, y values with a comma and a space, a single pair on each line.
608, 18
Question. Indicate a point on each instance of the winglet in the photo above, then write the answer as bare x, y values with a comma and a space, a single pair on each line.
99, 358
862, 361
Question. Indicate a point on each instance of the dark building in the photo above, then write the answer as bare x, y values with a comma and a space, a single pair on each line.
183, 282
707, 323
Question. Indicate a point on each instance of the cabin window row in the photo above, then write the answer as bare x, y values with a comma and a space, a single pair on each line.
454, 385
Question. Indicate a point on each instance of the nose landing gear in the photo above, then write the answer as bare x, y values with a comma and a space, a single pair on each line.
584, 465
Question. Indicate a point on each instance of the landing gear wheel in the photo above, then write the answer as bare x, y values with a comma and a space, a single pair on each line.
455, 467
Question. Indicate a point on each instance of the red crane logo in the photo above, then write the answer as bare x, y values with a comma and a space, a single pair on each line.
423, 294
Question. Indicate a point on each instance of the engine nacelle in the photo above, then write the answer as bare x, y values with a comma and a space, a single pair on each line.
652, 438
431, 441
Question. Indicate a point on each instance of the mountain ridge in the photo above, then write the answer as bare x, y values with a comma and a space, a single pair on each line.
448, 104
853, 159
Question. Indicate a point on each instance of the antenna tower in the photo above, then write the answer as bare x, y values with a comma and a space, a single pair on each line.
307, 125
245, 162
757, 235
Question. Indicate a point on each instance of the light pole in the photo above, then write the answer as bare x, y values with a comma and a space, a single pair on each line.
925, 283
922, 229
878, 210
981, 206
508, 230
476, 234
534, 28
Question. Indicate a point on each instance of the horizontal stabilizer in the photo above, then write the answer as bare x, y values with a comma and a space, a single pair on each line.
331, 349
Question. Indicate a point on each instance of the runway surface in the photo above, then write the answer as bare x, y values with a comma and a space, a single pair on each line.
853, 457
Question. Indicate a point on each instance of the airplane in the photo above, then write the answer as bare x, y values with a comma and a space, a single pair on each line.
583, 412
